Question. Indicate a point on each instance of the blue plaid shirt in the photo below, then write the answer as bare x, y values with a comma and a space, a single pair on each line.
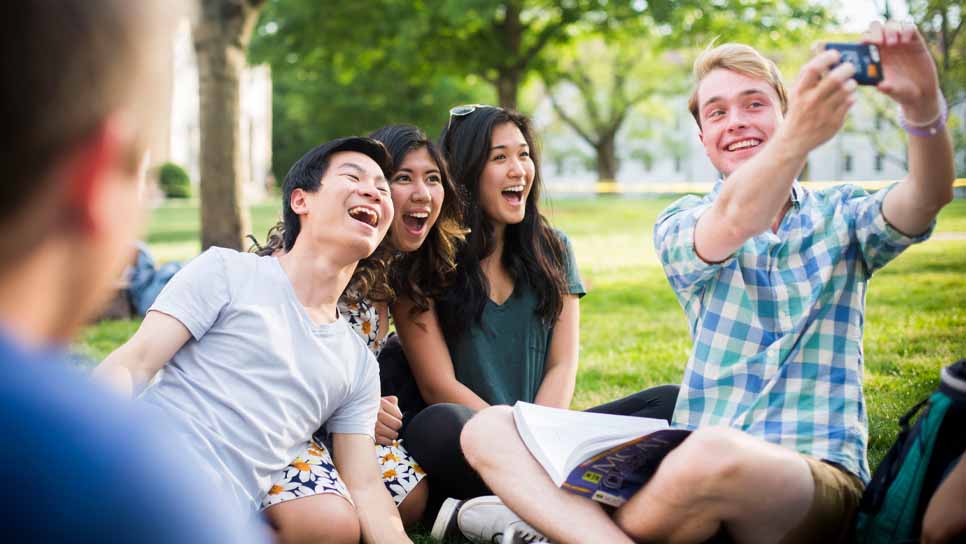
777, 327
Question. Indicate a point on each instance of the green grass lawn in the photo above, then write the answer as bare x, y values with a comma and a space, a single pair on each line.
634, 334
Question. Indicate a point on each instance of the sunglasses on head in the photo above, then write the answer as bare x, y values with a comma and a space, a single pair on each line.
463, 111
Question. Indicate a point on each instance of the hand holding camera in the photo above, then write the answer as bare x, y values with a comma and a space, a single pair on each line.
909, 72
819, 102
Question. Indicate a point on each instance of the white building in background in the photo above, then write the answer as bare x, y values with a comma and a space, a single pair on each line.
675, 155
182, 142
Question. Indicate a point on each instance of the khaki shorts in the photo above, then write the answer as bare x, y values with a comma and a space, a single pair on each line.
836, 500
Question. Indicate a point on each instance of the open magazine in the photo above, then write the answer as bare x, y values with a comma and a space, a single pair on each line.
603, 457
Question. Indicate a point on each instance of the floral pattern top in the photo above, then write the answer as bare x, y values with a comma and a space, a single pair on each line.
364, 319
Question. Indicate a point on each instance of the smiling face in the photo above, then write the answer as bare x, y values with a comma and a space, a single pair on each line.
738, 115
507, 177
351, 210
417, 196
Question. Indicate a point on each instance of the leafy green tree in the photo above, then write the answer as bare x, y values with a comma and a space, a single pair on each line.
504, 41
348, 68
941, 23
605, 77
596, 84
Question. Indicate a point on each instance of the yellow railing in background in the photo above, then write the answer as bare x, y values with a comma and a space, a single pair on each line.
613, 187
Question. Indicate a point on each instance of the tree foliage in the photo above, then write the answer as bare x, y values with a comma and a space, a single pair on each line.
597, 83
347, 68
504, 41
943, 26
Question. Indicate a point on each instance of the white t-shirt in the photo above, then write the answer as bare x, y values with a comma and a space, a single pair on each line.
258, 377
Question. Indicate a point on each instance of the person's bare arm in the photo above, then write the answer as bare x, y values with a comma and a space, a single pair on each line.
422, 339
355, 459
560, 373
132, 365
946, 514
911, 80
757, 191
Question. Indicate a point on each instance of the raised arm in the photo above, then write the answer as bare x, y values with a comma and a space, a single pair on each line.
560, 372
422, 339
355, 459
911, 81
132, 365
755, 194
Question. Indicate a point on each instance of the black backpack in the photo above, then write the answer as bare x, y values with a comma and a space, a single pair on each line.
895, 501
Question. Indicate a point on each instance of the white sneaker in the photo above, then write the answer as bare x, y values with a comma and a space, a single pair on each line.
520, 532
480, 520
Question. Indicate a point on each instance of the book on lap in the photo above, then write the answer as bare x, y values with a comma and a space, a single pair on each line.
603, 457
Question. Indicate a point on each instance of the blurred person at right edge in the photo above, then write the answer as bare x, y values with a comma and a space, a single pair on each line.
945, 516
772, 277
79, 98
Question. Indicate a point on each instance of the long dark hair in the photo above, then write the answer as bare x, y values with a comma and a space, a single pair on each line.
422, 275
532, 251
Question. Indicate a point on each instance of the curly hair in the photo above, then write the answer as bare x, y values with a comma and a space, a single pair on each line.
422, 275
370, 280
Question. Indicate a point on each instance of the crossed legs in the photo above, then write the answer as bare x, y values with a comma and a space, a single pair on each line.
717, 478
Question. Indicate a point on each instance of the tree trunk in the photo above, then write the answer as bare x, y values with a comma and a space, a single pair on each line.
506, 87
509, 73
606, 159
221, 35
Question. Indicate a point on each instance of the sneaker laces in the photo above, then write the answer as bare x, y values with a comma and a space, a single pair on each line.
530, 534
523, 530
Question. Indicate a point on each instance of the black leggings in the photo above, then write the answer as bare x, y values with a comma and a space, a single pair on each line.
432, 437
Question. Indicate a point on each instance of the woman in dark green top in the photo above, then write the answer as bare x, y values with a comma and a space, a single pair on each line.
507, 328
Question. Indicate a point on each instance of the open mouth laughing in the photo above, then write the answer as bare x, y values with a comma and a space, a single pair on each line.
415, 221
514, 194
365, 215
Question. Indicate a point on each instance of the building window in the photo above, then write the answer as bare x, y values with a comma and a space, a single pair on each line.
847, 160
879, 162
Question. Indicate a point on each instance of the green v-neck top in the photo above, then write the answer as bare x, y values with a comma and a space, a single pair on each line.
502, 358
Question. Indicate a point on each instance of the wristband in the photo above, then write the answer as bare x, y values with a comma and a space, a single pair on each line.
930, 128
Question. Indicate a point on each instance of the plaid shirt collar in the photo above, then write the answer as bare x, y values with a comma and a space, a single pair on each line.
798, 192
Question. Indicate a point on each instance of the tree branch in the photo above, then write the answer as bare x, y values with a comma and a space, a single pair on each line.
571, 122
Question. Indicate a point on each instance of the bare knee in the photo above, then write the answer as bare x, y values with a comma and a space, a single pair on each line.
711, 461
686, 499
315, 519
483, 431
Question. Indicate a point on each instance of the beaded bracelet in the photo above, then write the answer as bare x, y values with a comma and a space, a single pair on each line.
930, 128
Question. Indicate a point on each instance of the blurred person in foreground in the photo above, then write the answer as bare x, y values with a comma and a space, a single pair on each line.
773, 278
78, 100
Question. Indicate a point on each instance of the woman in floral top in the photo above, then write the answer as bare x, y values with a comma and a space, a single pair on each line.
420, 247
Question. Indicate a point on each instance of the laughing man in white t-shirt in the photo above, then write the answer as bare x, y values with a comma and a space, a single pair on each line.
256, 359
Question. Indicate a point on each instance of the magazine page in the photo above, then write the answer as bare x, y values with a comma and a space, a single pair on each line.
561, 439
